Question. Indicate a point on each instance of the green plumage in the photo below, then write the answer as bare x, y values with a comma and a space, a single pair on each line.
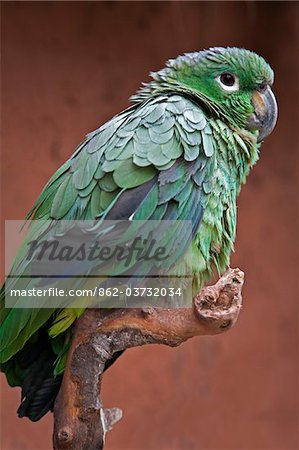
180, 152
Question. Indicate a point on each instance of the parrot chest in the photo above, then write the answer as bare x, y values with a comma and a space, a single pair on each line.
214, 241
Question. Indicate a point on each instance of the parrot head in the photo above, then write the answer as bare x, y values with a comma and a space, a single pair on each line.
232, 83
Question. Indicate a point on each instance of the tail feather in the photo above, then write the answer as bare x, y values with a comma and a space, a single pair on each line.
41, 400
37, 387
32, 368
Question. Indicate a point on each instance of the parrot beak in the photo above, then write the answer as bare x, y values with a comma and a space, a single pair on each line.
265, 113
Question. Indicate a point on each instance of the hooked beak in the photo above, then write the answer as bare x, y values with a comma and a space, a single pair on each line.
265, 113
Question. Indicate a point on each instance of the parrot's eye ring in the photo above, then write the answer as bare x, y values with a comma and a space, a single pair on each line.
228, 81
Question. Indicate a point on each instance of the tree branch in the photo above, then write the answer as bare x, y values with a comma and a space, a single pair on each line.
80, 420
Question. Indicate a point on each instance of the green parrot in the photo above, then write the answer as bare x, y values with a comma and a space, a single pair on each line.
180, 152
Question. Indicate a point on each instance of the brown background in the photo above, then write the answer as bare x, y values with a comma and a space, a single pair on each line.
68, 67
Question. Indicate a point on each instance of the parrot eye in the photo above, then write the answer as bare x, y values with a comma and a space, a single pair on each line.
228, 81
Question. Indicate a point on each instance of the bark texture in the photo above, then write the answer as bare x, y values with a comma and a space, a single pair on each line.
80, 420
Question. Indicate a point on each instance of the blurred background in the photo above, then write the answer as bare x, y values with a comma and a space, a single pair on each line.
67, 67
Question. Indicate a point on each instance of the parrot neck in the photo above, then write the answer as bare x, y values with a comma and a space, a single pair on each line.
237, 151
160, 86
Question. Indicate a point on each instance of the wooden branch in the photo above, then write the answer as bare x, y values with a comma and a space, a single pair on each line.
80, 420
